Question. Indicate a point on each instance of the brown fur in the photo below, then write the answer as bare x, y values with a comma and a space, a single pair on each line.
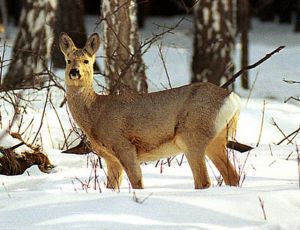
126, 130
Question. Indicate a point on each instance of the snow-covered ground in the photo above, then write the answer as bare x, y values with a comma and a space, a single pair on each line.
62, 200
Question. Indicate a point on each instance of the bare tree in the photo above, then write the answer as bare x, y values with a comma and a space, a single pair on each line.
124, 65
3, 17
243, 24
297, 25
70, 19
32, 47
214, 24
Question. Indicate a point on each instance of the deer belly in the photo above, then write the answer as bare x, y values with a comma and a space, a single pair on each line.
164, 150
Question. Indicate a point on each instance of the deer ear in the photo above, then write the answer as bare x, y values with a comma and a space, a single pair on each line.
92, 44
66, 44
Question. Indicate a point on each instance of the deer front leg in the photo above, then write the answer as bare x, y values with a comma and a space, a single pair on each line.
114, 174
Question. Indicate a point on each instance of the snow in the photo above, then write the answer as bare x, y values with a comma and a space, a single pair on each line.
62, 200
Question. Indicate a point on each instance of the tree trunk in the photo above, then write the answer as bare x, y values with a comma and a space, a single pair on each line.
213, 41
31, 50
266, 11
143, 11
3, 18
284, 8
69, 19
124, 65
297, 26
244, 29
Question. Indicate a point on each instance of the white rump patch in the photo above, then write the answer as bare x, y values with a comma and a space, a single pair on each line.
231, 106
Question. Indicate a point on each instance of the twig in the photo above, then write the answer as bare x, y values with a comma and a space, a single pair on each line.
280, 130
138, 200
43, 115
164, 65
288, 157
262, 123
2, 61
187, 10
60, 123
242, 171
17, 146
292, 133
169, 160
291, 81
6, 190
219, 178
298, 161
181, 160
269, 165
19, 137
270, 148
292, 98
236, 75
251, 89
262, 205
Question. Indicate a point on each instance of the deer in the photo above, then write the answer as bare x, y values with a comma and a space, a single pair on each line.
126, 130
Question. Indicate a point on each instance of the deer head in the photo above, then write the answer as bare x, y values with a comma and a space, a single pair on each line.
79, 62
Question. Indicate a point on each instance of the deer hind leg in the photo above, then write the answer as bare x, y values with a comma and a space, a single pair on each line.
114, 174
217, 153
127, 155
195, 154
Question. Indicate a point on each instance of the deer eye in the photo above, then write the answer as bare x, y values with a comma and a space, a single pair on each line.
69, 61
86, 61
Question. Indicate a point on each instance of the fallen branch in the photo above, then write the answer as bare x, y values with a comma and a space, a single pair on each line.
82, 148
138, 200
236, 75
292, 98
12, 163
238, 146
291, 81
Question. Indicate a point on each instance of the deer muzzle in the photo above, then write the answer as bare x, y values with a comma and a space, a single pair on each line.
74, 74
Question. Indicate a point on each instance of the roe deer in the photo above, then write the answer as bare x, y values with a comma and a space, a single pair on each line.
194, 119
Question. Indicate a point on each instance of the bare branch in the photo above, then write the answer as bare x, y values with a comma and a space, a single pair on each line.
164, 64
298, 161
262, 205
43, 114
236, 75
262, 123
291, 134
292, 98
291, 81
281, 131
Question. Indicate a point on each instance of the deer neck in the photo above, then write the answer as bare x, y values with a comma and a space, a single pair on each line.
81, 94
80, 100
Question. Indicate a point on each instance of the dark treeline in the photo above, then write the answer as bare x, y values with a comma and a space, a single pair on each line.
282, 11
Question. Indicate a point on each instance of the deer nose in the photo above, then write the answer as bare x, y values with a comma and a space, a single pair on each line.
74, 74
